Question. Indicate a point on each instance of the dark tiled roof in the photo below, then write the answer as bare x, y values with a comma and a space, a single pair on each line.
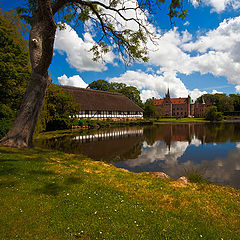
90, 99
179, 100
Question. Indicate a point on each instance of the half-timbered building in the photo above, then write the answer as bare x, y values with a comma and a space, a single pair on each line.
95, 104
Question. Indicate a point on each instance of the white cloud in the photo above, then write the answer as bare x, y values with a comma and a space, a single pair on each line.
75, 81
237, 88
195, 93
154, 84
78, 51
216, 52
218, 5
215, 91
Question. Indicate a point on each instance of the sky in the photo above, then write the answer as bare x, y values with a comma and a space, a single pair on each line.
192, 57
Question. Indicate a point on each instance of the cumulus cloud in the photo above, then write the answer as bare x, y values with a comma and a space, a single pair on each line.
78, 51
218, 5
195, 93
153, 85
237, 88
75, 81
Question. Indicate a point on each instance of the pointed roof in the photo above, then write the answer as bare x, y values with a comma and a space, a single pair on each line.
168, 94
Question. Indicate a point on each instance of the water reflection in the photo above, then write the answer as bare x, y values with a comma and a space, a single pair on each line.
169, 148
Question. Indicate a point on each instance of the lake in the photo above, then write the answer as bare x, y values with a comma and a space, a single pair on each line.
211, 149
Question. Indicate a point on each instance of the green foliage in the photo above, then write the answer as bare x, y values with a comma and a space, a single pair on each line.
195, 176
14, 67
129, 43
129, 91
213, 115
149, 108
57, 109
235, 98
132, 93
221, 101
100, 85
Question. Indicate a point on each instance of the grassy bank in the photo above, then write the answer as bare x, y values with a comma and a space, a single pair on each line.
51, 195
180, 120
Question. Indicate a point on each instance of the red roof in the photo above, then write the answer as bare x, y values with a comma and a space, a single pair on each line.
179, 100
158, 102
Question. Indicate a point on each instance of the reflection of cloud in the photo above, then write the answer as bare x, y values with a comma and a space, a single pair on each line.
159, 151
225, 170
196, 142
221, 170
238, 145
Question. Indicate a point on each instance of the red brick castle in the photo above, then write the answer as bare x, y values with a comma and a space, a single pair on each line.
179, 107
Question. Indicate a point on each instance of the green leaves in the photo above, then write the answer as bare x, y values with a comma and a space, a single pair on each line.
58, 106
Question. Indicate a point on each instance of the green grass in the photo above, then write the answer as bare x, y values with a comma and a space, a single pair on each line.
180, 120
51, 195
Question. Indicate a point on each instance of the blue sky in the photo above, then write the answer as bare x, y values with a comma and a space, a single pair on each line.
198, 55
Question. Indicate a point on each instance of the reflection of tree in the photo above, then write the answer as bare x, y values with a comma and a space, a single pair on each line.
223, 132
150, 134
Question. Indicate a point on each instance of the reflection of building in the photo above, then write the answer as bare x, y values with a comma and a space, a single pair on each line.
109, 135
97, 104
179, 107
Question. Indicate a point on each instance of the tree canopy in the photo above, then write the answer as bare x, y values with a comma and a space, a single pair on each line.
129, 91
57, 109
109, 19
14, 67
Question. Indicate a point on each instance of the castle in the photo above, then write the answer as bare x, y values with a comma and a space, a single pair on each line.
180, 107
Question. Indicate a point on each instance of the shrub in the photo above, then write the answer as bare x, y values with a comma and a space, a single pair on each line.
213, 115
196, 176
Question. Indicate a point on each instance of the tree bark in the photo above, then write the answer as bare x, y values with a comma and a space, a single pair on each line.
41, 41
21, 133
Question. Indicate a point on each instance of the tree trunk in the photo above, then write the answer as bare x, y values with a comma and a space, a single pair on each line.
41, 41
20, 135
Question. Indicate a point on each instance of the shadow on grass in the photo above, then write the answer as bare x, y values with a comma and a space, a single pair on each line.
52, 189
7, 169
42, 172
5, 184
73, 180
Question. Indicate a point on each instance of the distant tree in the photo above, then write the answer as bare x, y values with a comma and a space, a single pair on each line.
58, 106
100, 85
117, 86
149, 108
220, 100
133, 94
235, 98
129, 91
14, 67
108, 18
213, 115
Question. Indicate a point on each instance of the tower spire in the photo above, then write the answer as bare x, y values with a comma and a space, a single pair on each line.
168, 93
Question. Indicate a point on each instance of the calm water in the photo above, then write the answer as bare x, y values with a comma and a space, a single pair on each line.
213, 149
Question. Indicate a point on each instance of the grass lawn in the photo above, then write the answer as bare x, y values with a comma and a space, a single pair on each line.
180, 120
51, 195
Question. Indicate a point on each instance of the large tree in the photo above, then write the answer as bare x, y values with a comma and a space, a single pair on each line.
107, 17
14, 67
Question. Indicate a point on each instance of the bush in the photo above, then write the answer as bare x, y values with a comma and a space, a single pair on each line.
213, 115
195, 176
